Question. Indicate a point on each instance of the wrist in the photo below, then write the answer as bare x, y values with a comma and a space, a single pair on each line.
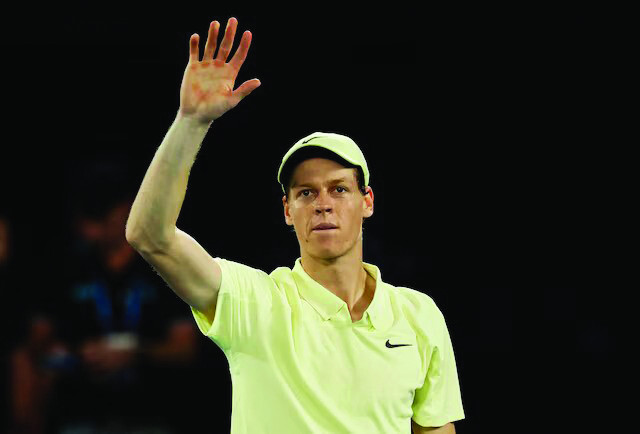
192, 121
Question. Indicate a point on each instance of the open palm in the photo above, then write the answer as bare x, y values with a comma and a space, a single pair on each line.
207, 91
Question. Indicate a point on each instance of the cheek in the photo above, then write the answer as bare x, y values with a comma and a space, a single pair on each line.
352, 213
297, 215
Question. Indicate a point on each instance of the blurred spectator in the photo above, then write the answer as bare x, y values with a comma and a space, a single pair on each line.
129, 343
34, 350
33, 373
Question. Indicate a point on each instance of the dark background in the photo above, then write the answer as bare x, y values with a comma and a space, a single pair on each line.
484, 130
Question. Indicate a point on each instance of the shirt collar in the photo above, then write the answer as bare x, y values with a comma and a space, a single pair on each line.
328, 305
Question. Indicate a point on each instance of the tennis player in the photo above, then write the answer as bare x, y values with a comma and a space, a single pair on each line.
326, 346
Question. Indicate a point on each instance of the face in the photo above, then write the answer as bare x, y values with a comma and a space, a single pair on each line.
325, 192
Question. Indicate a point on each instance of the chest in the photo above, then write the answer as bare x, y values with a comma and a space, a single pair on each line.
359, 365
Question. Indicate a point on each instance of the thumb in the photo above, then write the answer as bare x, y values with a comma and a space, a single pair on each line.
246, 88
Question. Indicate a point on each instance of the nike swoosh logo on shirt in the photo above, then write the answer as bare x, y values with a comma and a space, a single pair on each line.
398, 345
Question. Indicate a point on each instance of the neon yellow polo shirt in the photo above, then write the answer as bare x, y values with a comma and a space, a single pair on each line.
300, 365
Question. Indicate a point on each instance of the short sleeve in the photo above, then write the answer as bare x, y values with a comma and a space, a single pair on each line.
242, 309
439, 400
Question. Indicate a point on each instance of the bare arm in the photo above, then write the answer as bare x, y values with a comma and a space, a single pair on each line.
154, 213
206, 94
445, 429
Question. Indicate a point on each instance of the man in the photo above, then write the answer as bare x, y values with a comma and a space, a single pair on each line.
326, 346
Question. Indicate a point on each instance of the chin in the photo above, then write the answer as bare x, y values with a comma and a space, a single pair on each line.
328, 252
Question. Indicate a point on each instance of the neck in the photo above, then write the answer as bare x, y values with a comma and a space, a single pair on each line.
344, 275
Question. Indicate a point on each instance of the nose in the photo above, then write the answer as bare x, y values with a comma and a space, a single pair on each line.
323, 208
323, 203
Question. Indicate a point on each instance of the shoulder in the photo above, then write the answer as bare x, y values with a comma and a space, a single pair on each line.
419, 309
282, 275
251, 282
238, 267
239, 273
417, 301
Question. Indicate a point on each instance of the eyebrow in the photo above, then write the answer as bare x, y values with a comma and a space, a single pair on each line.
331, 182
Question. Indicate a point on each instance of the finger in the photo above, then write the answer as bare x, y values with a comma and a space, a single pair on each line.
227, 41
212, 41
241, 52
245, 89
194, 51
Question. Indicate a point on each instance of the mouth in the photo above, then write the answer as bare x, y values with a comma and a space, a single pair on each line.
325, 227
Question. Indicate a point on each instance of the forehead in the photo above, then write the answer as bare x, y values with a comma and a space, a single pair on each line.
320, 170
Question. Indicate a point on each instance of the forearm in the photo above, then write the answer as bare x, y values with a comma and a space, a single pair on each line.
155, 210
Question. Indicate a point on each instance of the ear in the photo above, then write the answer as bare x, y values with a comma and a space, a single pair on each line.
368, 202
287, 216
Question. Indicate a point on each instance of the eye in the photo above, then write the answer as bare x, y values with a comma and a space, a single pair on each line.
344, 189
303, 192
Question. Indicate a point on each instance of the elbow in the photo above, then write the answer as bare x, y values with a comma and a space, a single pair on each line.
129, 233
146, 243
133, 242
131, 237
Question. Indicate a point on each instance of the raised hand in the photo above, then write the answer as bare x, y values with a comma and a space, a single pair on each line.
207, 91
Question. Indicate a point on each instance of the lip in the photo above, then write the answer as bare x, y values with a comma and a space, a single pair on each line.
325, 227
